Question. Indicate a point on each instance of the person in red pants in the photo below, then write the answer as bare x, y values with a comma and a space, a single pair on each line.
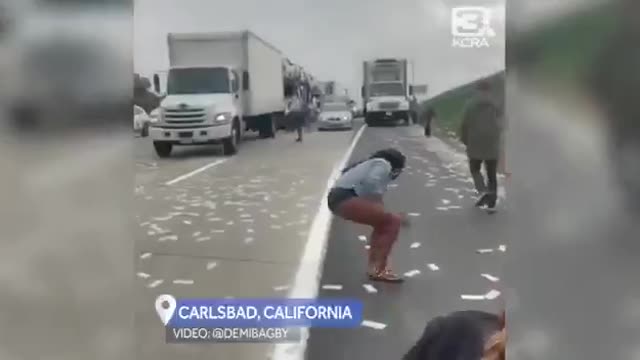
357, 197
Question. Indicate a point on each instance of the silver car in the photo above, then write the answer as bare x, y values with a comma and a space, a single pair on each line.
335, 116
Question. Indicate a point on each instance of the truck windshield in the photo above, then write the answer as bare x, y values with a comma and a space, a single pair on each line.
198, 81
387, 89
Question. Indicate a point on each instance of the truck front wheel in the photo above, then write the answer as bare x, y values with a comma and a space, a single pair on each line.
163, 149
230, 144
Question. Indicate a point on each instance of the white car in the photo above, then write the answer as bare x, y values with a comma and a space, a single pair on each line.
335, 116
141, 121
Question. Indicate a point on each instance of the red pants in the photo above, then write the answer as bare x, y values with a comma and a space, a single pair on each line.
386, 227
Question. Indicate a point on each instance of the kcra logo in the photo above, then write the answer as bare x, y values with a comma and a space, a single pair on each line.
471, 27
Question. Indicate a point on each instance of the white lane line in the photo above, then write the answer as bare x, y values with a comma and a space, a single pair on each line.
142, 275
484, 251
370, 288
433, 267
145, 256
472, 297
374, 324
310, 266
195, 172
502, 248
211, 265
415, 245
362, 238
281, 288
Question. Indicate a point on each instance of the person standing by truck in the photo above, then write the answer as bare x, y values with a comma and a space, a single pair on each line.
481, 133
428, 118
296, 113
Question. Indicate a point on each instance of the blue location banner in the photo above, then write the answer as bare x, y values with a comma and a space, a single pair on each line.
265, 313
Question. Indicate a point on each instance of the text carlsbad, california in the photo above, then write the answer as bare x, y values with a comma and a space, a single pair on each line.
249, 312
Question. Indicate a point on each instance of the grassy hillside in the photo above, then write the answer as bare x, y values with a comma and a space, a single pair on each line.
448, 105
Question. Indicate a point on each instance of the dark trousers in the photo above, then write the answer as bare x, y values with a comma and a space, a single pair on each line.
427, 128
297, 122
490, 186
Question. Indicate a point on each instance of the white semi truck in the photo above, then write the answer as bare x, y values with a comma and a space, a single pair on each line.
219, 85
386, 91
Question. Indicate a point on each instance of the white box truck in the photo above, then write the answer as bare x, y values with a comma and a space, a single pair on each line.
219, 85
386, 91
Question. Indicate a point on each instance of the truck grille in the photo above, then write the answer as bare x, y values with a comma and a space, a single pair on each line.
389, 105
185, 116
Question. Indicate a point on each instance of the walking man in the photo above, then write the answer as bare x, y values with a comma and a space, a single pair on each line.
481, 133
296, 112
428, 117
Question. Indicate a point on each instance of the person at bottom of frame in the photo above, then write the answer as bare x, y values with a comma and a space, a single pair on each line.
463, 335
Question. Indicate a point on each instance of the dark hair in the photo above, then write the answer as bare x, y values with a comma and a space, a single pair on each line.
393, 156
459, 335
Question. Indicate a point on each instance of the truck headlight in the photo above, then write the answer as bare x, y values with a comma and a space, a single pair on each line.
155, 115
223, 118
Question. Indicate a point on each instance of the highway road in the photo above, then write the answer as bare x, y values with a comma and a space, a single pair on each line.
451, 250
211, 226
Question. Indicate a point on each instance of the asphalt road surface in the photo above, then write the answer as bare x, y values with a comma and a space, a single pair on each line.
211, 226
439, 253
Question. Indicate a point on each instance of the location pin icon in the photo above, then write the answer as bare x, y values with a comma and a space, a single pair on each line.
165, 307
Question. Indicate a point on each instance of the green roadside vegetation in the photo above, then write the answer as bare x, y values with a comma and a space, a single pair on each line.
448, 105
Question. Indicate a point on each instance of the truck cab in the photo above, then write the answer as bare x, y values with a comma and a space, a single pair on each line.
203, 105
385, 91
219, 86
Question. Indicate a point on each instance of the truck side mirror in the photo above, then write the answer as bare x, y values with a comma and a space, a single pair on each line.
156, 83
245, 80
410, 89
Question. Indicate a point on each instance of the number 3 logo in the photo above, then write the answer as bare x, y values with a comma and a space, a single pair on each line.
470, 21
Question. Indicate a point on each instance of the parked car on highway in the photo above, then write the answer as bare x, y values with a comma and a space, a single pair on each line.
335, 116
141, 121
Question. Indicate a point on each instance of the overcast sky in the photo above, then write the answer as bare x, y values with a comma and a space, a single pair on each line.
330, 38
